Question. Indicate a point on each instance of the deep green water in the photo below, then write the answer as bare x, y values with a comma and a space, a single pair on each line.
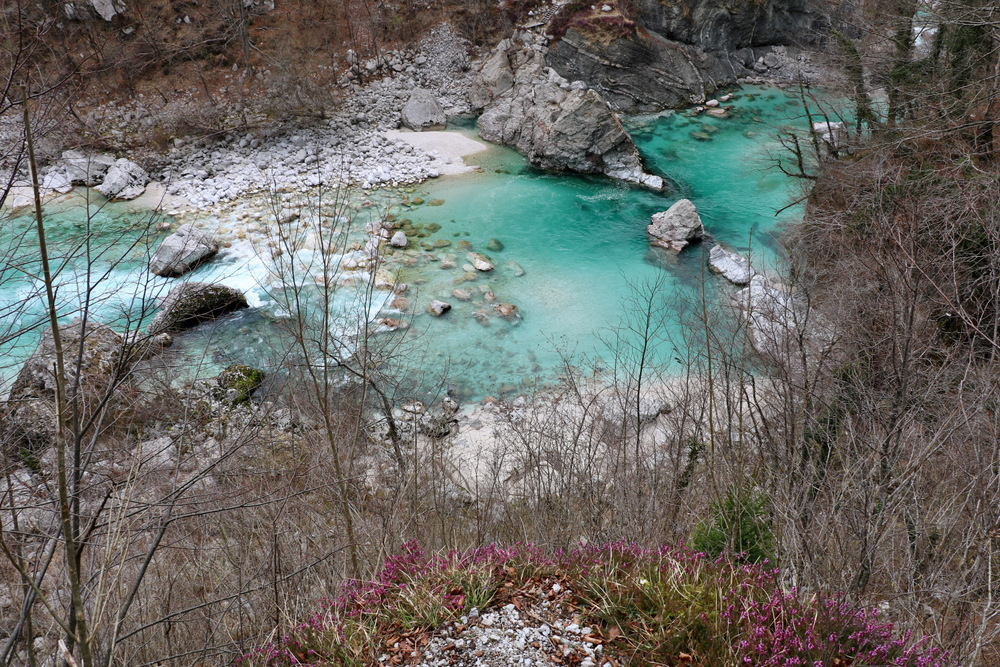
580, 242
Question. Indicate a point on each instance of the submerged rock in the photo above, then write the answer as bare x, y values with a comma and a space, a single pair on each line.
124, 180
676, 227
461, 294
734, 267
508, 311
423, 112
183, 251
193, 303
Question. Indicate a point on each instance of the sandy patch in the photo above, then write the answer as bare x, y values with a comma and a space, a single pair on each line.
448, 148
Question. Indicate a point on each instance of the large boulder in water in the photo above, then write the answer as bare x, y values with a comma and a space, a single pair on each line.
182, 251
556, 125
676, 227
124, 180
192, 303
423, 112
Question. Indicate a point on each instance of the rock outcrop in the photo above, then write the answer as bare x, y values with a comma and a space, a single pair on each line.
192, 303
676, 54
423, 112
676, 227
783, 326
182, 251
124, 180
94, 361
555, 124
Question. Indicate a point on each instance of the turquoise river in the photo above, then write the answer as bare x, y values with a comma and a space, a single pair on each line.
574, 250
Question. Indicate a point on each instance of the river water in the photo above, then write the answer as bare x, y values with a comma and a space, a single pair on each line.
574, 253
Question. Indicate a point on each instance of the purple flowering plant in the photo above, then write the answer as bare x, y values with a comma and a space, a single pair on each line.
663, 606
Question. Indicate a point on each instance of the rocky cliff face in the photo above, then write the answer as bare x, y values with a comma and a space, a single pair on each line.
556, 124
681, 51
724, 26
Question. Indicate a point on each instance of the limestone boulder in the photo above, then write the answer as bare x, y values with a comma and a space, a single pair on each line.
124, 180
423, 112
438, 308
555, 125
85, 168
480, 262
676, 227
193, 303
733, 266
183, 251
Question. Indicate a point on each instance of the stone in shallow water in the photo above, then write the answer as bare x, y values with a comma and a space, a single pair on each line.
399, 240
192, 303
480, 262
676, 227
734, 267
442, 243
437, 308
182, 251
508, 311
435, 202
432, 227
514, 268
461, 294
494, 245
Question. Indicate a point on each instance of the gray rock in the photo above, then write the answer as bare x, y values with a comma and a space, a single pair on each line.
782, 325
676, 227
190, 304
124, 180
85, 168
495, 79
480, 262
182, 251
108, 9
558, 128
399, 240
423, 112
95, 361
833, 134
57, 180
438, 308
734, 267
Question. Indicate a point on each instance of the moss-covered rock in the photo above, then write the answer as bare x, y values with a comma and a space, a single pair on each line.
238, 382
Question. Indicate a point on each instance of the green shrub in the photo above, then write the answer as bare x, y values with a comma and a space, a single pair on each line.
740, 526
